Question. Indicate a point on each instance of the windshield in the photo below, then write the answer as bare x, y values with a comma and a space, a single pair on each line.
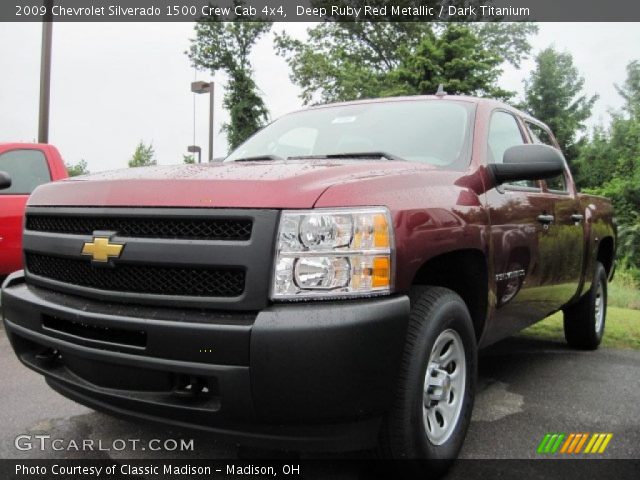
429, 131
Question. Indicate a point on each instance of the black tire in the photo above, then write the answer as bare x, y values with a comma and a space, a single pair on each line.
580, 325
404, 435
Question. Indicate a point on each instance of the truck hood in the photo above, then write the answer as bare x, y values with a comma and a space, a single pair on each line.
268, 184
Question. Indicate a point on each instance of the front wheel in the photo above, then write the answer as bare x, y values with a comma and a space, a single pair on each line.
435, 393
584, 322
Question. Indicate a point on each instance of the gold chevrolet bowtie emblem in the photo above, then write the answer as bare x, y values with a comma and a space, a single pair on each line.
101, 250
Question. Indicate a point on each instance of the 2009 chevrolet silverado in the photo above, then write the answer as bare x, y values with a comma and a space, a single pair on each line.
327, 286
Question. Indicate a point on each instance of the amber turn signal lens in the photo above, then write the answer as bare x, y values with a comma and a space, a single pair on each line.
380, 231
381, 275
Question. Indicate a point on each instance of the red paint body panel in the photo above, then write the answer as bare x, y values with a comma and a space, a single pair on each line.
12, 207
431, 214
291, 184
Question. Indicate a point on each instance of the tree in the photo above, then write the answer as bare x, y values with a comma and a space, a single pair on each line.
554, 95
610, 165
225, 47
77, 169
246, 109
616, 170
453, 58
629, 244
630, 90
594, 167
618, 166
351, 60
188, 159
143, 156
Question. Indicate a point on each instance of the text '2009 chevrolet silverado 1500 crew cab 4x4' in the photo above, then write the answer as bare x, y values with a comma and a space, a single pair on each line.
327, 286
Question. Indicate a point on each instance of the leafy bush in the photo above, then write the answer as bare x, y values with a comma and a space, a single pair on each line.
629, 248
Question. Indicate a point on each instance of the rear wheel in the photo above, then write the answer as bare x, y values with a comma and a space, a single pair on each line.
584, 322
435, 393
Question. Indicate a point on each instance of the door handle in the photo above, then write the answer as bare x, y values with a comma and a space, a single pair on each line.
577, 217
546, 219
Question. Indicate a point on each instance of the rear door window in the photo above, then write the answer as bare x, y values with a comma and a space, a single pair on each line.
27, 168
541, 135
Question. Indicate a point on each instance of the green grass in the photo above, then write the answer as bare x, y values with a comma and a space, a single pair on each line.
623, 295
622, 329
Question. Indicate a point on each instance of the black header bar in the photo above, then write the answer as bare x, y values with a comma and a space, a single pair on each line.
320, 10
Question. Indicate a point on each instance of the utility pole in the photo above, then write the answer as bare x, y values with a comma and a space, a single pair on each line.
45, 74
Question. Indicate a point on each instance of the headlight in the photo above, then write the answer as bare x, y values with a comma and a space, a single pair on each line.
333, 253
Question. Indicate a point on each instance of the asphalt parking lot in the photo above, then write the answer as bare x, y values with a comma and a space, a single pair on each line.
527, 388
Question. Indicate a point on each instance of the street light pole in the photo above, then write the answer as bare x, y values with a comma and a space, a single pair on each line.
45, 75
211, 122
204, 87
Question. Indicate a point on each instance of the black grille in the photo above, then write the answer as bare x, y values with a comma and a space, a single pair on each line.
146, 227
210, 282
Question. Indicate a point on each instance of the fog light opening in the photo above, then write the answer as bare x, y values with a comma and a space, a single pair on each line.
47, 356
190, 386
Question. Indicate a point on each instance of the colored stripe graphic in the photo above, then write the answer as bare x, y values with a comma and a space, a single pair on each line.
573, 443
594, 437
581, 442
604, 445
556, 445
543, 444
570, 438
550, 443
598, 443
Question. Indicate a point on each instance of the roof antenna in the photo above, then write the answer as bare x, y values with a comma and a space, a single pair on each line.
440, 92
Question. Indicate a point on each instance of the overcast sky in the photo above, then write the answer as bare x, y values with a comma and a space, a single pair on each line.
114, 84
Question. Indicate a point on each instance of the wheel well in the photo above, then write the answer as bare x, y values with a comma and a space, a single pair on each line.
605, 254
464, 272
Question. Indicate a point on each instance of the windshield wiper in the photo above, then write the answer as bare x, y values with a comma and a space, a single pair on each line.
386, 155
258, 158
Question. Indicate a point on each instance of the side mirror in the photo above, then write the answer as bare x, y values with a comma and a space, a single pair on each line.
5, 180
528, 162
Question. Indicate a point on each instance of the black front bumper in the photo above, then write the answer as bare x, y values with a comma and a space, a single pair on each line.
302, 375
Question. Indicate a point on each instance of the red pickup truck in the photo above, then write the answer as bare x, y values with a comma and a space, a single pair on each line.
327, 286
24, 166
